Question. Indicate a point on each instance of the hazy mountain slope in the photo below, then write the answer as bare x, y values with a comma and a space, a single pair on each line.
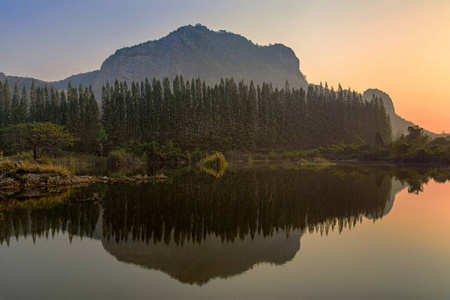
85, 79
399, 125
196, 51
21, 81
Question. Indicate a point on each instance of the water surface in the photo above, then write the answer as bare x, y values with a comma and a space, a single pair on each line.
250, 233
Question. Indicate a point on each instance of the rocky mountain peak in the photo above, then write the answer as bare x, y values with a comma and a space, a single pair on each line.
196, 51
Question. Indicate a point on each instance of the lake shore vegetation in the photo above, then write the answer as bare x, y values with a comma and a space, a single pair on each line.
185, 121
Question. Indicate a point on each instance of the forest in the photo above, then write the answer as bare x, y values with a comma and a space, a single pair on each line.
192, 115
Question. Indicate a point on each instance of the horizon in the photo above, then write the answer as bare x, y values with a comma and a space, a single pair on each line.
398, 47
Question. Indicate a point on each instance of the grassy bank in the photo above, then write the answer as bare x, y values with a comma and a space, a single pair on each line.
11, 168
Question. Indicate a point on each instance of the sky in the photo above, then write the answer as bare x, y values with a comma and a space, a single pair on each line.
399, 46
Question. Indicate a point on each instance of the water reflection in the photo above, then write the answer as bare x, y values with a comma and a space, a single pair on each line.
196, 227
249, 202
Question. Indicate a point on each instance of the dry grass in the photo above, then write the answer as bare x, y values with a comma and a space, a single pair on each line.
9, 167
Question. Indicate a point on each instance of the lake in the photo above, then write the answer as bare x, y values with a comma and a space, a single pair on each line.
260, 232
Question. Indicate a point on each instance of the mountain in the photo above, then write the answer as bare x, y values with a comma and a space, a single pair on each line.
399, 125
21, 81
191, 51
196, 51
85, 79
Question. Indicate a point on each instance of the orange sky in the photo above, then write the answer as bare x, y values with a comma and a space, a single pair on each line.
399, 46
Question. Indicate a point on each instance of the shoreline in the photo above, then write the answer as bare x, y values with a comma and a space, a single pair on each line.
31, 185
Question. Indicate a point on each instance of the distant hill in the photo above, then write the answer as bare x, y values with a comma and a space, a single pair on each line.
399, 125
196, 51
21, 81
85, 79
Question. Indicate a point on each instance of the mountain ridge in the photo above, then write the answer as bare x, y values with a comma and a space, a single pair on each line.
198, 52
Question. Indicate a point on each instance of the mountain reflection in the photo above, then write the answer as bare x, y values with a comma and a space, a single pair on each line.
196, 227
198, 263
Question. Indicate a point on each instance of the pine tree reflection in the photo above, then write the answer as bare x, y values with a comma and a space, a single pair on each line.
196, 227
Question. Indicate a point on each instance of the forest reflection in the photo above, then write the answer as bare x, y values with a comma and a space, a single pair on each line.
194, 205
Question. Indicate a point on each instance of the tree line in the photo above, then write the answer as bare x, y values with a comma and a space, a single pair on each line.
76, 109
232, 115
227, 116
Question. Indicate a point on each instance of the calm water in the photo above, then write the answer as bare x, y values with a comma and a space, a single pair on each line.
252, 233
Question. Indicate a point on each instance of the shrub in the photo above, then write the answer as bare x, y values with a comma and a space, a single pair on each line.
214, 164
196, 155
215, 161
120, 157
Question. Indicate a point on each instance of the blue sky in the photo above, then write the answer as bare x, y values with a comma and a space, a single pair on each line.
51, 40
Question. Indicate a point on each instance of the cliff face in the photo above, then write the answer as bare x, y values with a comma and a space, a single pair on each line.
196, 51
399, 125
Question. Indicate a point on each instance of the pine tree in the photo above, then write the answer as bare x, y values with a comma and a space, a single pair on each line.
23, 107
251, 117
32, 115
92, 123
73, 111
1, 104
47, 108
39, 105
6, 109
54, 107
157, 97
15, 110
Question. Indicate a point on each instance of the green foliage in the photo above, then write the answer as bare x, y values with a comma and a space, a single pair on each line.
196, 154
441, 141
235, 116
135, 152
39, 137
167, 152
379, 139
413, 148
214, 164
101, 138
215, 161
230, 116
121, 158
